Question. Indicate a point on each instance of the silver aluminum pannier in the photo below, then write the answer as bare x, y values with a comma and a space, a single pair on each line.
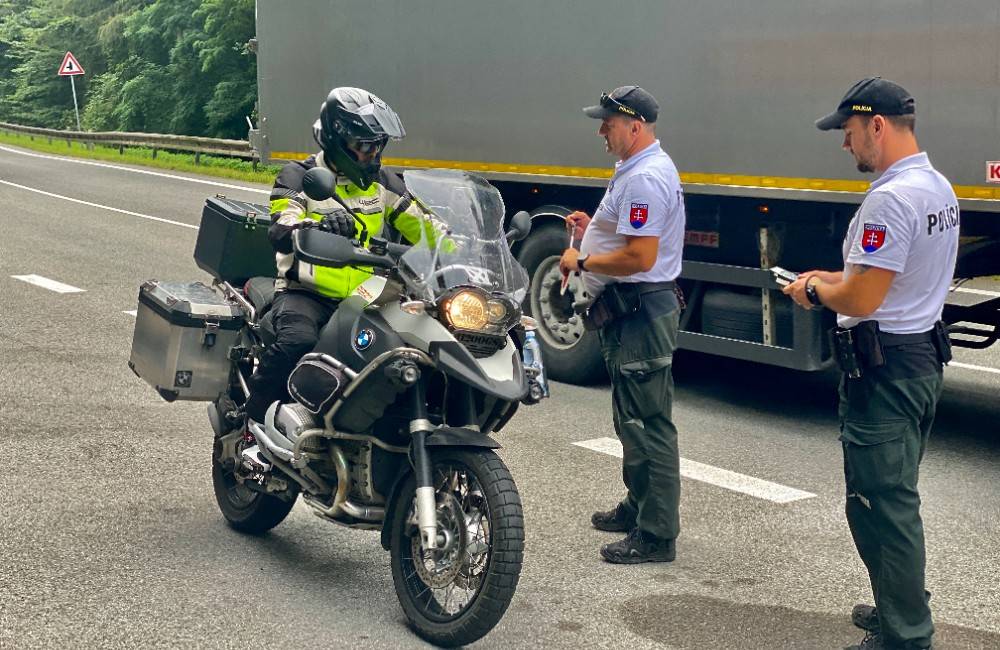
183, 334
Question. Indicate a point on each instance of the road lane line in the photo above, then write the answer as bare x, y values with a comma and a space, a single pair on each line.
724, 478
978, 292
132, 313
46, 283
98, 205
137, 171
969, 366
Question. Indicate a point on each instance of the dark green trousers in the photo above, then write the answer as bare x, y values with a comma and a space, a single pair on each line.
638, 351
885, 420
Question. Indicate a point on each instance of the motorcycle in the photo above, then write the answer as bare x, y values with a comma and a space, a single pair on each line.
390, 426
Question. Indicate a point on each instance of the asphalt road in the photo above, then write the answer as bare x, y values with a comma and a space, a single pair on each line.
110, 535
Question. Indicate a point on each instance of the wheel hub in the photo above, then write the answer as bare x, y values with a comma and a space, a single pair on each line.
440, 567
561, 327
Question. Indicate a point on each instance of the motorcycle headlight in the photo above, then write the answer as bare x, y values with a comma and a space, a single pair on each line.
467, 310
472, 309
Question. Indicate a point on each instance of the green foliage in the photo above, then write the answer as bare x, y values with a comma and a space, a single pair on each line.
155, 66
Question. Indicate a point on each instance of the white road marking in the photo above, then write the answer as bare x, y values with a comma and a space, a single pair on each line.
724, 478
969, 366
137, 171
46, 283
978, 292
98, 205
132, 313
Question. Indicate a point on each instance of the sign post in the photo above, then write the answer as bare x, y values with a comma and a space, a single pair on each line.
70, 68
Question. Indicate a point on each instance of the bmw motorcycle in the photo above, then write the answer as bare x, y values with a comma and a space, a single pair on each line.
392, 413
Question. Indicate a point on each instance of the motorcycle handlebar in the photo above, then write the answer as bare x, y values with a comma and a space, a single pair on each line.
396, 250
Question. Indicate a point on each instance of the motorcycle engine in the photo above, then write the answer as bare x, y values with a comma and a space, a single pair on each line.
293, 418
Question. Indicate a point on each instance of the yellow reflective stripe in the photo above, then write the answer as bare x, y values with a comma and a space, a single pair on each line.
735, 180
278, 205
339, 282
352, 191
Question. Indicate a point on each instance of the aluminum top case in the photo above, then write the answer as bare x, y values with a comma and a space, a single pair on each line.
183, 335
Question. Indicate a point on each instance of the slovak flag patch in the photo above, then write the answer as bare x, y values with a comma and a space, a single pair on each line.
638, 214
873, 238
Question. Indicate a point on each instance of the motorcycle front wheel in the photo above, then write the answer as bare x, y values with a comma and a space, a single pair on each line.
456, 593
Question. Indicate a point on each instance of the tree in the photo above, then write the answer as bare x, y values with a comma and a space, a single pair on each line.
179, 67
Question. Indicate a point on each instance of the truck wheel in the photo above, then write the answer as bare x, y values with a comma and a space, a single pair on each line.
571, 353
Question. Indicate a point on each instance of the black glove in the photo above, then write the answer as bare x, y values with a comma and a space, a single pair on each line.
339, 222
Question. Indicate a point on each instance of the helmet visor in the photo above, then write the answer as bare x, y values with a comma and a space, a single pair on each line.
373, 146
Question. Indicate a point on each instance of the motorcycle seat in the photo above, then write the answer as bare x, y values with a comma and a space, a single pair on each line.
260, 292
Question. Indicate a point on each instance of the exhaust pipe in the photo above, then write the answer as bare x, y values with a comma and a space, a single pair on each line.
341, 504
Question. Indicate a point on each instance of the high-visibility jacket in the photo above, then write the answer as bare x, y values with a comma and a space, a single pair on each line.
378, 207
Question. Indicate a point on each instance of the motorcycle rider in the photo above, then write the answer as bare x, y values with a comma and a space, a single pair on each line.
353, 128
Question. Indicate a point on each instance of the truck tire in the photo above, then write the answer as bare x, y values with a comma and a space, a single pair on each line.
571, 354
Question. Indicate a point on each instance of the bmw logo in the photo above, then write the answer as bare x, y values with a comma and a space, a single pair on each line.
364, 339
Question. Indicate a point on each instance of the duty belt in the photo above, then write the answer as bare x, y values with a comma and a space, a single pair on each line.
890, 340
652, 287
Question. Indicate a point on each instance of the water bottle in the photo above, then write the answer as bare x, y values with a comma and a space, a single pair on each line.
533, 361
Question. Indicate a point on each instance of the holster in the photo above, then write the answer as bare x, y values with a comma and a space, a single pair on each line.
858, 348
617, 300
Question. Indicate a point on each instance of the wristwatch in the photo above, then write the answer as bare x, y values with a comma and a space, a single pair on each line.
811, 293
580, 261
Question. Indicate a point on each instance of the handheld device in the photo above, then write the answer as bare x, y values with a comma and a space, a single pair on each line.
782, 276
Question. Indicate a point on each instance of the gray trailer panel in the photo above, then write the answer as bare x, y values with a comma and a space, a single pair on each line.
740, 83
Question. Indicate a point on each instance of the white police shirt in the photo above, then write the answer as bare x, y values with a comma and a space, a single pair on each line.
908, 223
644, 199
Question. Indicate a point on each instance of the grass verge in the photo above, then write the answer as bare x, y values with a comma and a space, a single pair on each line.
221, 167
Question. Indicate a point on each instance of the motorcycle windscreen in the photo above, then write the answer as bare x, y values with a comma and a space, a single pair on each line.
462, 241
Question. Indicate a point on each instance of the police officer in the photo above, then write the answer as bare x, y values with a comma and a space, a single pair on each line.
353, 128
899, 259
629, 258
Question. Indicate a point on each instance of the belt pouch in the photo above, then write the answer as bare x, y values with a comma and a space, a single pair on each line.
622, 299
868, 345
597, 315
942, 342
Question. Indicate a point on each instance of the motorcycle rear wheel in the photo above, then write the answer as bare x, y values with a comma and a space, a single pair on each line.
245, 510
479, 513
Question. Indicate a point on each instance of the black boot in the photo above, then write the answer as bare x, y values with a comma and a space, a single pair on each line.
617, 520
865, 617
640, 546
872, 641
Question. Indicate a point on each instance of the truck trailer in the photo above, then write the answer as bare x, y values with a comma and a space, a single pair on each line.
497, 88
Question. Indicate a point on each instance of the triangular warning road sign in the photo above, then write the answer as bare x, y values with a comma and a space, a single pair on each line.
70, 66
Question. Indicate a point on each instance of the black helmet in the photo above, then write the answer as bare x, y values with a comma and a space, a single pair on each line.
355, 118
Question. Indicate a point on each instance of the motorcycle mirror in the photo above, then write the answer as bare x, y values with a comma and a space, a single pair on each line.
520, 226
318, 183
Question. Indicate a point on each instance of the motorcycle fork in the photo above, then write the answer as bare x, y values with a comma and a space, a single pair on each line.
424, 501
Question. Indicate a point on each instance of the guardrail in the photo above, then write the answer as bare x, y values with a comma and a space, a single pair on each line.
156, 141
